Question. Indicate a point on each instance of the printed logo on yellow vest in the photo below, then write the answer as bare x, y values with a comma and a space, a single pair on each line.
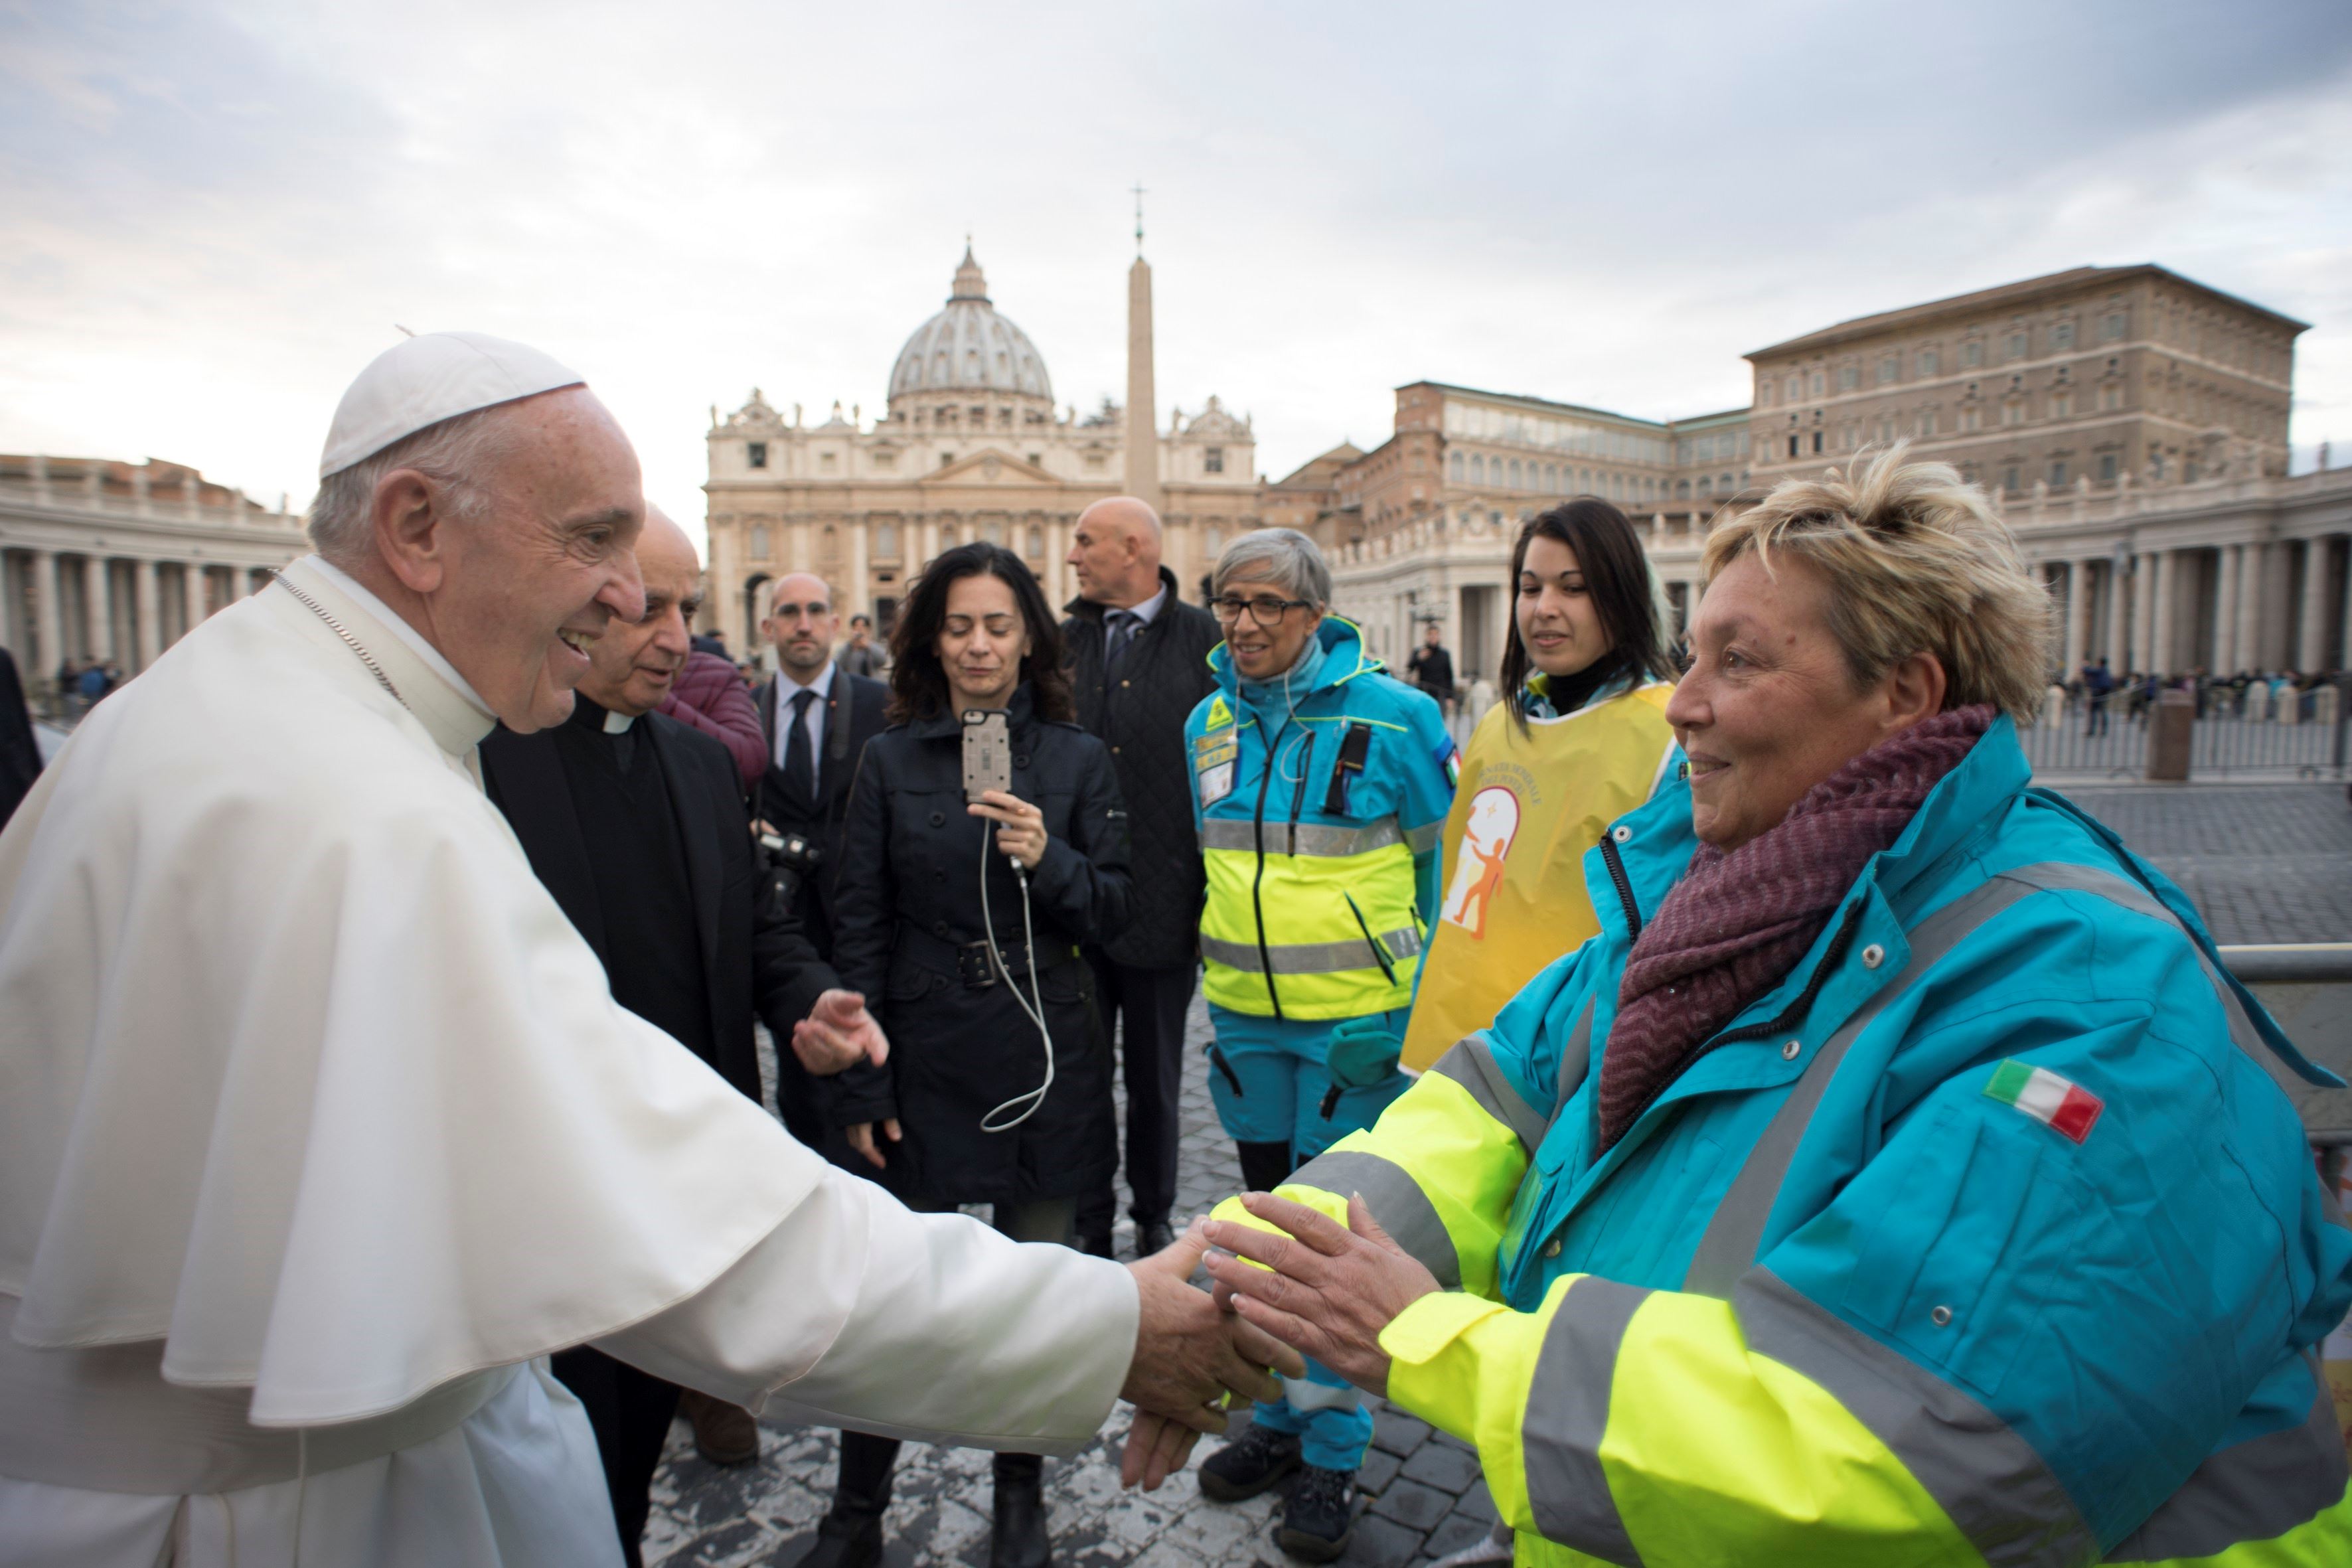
1487, 835
1219, 714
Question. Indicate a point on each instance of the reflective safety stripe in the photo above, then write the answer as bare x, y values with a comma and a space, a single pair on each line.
1989, 1481
1575, 1061
1404, 1209
1301, 1394
1471, 1063
1312, 957
1730, 1246
2255, 1490
1568, 1412
1422, 839
1318, 839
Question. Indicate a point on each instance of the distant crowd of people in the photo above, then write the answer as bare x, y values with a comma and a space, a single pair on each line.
2098, 692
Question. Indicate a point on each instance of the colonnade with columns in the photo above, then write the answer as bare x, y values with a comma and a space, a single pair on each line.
2244, 604
125, 611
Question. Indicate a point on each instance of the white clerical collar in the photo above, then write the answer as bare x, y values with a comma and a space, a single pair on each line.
399, 627
618, 723
1144, 612
821, 683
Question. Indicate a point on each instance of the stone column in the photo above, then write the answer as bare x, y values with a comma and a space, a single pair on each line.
2248, 653
2077, 635
2225, 613
147, 606
2162, 621
48, 619
192, 595
2310, 644
2118, 648
2142, 596
98, 604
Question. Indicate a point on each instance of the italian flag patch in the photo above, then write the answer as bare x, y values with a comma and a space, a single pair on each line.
2063, 1106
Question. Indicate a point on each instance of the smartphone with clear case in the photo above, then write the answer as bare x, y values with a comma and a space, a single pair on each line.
987, 753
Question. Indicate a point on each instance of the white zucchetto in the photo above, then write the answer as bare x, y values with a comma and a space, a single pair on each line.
426, 379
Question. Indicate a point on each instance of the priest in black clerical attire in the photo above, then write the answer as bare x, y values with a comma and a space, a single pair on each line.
637, 824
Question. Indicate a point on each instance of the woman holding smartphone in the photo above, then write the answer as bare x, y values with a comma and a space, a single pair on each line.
962, 923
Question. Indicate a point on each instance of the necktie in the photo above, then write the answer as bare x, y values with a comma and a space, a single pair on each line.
800, 763
1123, 632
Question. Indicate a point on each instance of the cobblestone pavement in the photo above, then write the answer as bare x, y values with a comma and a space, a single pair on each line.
2263, 862
2266, 863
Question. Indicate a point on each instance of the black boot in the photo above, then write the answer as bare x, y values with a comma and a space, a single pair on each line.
1248, 1465
850, 1533
1019, 1539
1320, 1515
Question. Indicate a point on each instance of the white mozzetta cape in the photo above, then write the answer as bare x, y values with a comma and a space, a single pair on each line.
305, 1077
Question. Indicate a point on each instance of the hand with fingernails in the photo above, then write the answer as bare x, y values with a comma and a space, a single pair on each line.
1020, 827
838, 1034
1326, 1291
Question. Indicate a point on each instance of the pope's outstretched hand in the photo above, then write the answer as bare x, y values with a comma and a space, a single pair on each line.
838, 1034
1189, 1354
1326, 1288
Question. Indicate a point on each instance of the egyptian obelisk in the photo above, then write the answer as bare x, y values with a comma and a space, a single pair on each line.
1142, 435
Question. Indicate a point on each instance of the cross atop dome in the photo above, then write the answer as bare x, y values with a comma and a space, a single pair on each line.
969, 283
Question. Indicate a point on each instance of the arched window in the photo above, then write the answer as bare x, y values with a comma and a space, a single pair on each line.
1453, 466
1515, 473
992, 532
1216, 543
947, 536
1036, 544
886, 541
1478, 470
759, 541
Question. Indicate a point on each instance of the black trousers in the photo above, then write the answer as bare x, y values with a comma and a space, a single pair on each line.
1147, 1008
631, 1412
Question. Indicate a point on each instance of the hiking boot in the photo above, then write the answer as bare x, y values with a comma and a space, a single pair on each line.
1249, 1465
1320, 1515
724, 1433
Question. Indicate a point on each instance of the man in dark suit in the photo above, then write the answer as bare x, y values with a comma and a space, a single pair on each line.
635, 825
817, 718
1138, 661
20, 750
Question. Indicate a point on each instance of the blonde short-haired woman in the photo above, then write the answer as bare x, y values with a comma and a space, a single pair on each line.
1898, 1175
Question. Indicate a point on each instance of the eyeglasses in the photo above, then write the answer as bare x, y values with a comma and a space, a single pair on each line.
1265, 612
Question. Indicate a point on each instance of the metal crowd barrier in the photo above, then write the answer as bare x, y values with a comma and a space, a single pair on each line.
2307, 986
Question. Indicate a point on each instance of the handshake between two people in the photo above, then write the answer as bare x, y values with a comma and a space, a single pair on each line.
1293, 1284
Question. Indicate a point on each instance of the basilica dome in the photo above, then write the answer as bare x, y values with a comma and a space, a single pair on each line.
967, 347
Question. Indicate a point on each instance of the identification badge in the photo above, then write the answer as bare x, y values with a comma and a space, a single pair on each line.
1210, 749
1217, 782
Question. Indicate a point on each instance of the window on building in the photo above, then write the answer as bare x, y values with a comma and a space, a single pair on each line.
2106, 467
886, 541
1792, 443
1889, 367
2112, 328
1793, 388
946, 459
2012, 477
1764, 391
1930, 361
2017, 345
1821, 384
1213, 460
1477, 468
2156, 464
2062, 336
1515, 474
1706, 487
2111, 396
2012, 413
2062, 405
1972, 418
2057, 473
1036, 460
1972, 354
1817, 440
1926, 421
1453, 466
993, 532
1036, 544
1849, 377
756, 454
826, 464
759, 541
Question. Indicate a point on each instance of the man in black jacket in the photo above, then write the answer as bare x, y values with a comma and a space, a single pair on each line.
634, 823
827, 715
1138, 661
20, 749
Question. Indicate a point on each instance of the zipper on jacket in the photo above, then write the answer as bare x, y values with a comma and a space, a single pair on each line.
1790, 1017
1298, 794
1379, 954
1258, 877
1625, 888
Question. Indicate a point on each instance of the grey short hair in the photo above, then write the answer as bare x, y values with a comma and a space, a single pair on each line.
456, 453
1283, 556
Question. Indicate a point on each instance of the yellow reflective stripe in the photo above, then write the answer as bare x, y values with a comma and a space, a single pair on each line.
1320, 840
1309, 998
1717, 1453
1464, 1365
1313, 957
1465, 1162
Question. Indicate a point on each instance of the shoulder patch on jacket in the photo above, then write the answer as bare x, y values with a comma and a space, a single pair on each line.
2060, 1104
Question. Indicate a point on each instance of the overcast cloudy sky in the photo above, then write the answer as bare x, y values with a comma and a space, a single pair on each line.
212, 215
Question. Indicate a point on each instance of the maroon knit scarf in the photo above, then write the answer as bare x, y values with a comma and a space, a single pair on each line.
1736, 924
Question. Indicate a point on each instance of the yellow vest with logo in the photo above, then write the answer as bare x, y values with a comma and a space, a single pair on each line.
1529, 805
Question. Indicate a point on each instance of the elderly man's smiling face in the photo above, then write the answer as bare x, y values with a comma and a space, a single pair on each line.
519, 594
635, 663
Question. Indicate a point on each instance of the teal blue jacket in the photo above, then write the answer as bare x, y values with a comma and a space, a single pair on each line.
2071, 1329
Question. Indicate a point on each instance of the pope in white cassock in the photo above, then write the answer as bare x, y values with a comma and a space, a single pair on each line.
318, 1125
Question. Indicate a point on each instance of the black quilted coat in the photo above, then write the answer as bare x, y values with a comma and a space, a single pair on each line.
1139, 714
907, 917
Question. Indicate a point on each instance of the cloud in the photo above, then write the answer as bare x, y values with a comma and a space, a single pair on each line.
215, 214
